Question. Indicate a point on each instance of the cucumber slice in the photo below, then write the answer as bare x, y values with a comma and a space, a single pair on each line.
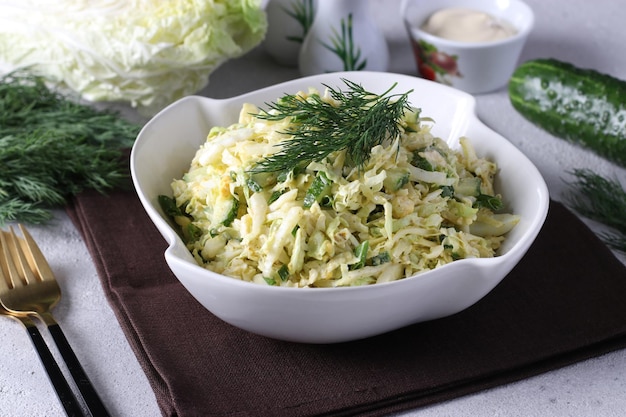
395, 180
319, 188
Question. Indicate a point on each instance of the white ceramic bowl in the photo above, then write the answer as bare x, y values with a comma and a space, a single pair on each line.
480, 67
166, 145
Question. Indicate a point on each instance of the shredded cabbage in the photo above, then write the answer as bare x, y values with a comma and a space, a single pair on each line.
415, 205
145, 52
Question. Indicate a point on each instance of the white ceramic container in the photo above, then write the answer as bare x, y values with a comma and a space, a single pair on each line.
343, 37
288, 23
474, 67
163, 151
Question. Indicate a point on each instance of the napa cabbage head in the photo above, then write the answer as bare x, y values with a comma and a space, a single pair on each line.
148, 53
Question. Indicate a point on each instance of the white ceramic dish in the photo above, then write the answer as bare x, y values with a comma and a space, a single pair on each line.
166, 145
480, 67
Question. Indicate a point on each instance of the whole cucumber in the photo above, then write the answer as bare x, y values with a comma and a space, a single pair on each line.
582, 106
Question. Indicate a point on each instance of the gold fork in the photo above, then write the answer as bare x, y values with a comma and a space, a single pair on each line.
62, 388
31, 289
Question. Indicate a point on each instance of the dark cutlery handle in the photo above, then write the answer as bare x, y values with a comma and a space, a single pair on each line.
95, 405
62, 388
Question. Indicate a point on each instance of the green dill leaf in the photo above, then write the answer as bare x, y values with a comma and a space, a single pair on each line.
360, 121
15, 209
361, 253
603, 200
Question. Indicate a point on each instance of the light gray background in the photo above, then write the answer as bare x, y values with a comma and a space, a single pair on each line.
588, 34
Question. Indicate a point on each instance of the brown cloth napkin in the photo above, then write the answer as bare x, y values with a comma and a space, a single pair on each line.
565, 302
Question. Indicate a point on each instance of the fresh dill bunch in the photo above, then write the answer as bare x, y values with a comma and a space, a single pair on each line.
360, 121
15, 209
41, 170
27, 104
603, 200
52, 147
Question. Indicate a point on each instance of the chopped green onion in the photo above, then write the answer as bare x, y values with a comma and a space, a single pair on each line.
361, 253
283, 273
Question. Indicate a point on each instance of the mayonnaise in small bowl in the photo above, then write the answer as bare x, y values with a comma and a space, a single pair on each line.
467, 25
471, 45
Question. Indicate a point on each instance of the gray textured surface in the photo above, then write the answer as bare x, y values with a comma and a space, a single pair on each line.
588, 34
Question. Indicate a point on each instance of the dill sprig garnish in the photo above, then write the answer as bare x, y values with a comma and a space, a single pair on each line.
603, 200
358, 122
52, 147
